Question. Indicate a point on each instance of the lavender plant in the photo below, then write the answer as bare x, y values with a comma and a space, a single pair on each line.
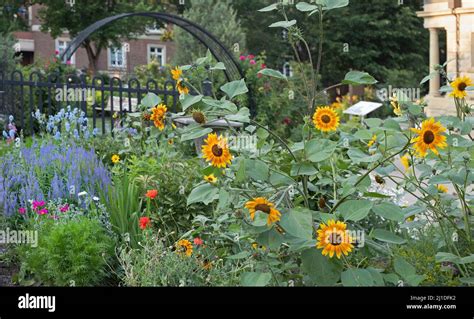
48, 171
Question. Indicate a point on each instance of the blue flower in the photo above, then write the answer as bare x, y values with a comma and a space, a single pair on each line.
57, 136
68, 126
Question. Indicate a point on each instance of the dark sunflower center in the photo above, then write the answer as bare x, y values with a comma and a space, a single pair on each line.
217, 150
263, 208
326, 119
335, 239
428, 137
462, 86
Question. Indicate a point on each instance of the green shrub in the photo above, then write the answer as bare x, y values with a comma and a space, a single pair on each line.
75, 253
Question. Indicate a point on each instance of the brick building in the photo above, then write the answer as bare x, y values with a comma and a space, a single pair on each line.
35, 45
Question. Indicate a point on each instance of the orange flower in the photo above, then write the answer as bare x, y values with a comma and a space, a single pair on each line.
151, 194
144, 222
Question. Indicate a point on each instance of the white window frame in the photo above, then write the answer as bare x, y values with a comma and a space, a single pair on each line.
290, 69
163, 53
109, 58
58, 48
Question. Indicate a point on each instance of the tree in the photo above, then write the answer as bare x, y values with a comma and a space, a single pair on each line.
217, 17
11, 14
381, 37
58, 16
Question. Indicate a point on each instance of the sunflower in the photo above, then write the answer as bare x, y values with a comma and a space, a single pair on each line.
429, 137
459, 86
372, 141
210, 178
115, 158
442, 188
199, 117
396, 106
216, 151
170, 141
334, 239
158, 115
326, 119
176, 73
405, 159
263, 205
182, 89
184, 248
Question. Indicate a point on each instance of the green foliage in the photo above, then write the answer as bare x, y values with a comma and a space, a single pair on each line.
157, 265
221, 21
74, 253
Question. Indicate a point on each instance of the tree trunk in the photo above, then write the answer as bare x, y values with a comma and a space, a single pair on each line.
92, 56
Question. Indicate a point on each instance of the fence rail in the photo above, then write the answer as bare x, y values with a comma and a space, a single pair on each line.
100, 97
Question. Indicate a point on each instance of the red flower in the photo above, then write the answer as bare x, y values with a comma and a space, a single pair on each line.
198, 241
287, 121
251, 57
151, 194
144, 222
263, 66
259, 75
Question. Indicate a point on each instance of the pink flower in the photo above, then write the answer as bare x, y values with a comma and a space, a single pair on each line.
64, 208
37, 204
56, 52
243, 58
68, 62
198, 241
22, 210
252, 62
263, 66
44, 211
251, 57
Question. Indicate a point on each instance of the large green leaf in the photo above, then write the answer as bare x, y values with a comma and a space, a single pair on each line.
234, 88
332, 4
256, 169
407, 271
243, 115
195, 133
190, 100
283, 24
255, 279
389, 211
355, 210
306, 7
318, 150
151, 100
354, 277
388, 237
359, 78
273, 73
298, 222
320, 269
269, 8
205, 193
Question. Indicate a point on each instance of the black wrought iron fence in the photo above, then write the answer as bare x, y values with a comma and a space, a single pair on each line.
98, 97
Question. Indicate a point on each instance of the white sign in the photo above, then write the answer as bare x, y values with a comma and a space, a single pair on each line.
362, 108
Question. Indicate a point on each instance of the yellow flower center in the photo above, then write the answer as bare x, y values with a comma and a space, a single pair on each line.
263, 208
326, 119
462, 86
428, 137
217, 150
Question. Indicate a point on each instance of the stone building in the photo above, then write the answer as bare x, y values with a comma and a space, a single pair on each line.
454, 21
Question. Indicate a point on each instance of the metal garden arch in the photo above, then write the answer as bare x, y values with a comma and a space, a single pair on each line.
233, 71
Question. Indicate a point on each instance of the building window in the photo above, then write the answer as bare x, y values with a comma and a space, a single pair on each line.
287, 69
117, 58
157, 53
61, 46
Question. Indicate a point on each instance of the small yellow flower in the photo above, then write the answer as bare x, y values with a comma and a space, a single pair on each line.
210, 178
429, 137
396, 106
265, 206
184, 248
372, 141
326, 119
442, 188
334, 239
115, 158
405, 159
459, 86
182, 89
170, 141
176, 73
158, 115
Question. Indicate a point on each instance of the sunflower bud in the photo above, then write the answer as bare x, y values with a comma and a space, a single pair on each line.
322, 203
379, 180
199, 117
